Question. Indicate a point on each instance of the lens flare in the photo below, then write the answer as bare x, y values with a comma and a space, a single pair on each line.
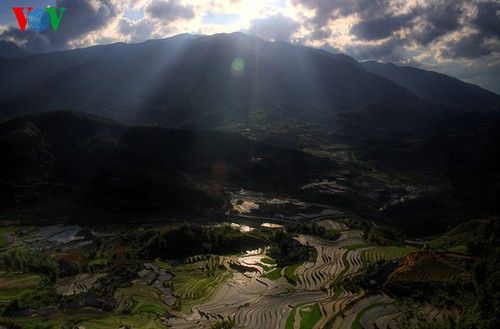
238, 67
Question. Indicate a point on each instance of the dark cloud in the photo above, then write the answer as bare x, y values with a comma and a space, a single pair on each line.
380, 28
170, 10
136, 31
387, 51
429, 21
328, 9
80, 18
475, 45
472, 46
488, 18
320, 34
31, 41
436, 20
276, 27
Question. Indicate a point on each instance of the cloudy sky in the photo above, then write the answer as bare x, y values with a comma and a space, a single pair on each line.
456, 37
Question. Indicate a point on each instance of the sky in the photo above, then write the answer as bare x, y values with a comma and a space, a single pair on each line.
456, 37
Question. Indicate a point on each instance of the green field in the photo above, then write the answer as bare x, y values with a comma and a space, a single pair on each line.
356, 324
268, 261
310, 318
163, 265
274, 274
290, 273
291, 317
4, 234
357, 246
320, 153
343, 272
98, 261
193, 286
138, 299
331, 232
17, 286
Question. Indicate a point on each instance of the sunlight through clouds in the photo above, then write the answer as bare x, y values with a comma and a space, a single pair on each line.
443, 31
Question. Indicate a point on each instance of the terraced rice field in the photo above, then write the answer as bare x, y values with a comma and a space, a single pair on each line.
5, 235
333, 307
299, 296
249, 289
375, 254
351, 316
436, 314
379, 315
80, 283
310, 316
429, 268
140, 298
93, 319
15, 286
329, 224
203, 262
349, 238
193, 286
142, 320
332, 264
383, 315
387, 321
252, 301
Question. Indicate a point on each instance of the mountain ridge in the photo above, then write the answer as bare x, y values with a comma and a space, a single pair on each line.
437, 88
185, 77
11, 50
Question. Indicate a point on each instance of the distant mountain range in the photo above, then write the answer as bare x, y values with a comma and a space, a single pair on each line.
191, 79
191, 114
436, 88
60, 161
11, 50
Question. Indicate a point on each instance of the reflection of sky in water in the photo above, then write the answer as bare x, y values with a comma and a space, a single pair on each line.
67, 235
54, 236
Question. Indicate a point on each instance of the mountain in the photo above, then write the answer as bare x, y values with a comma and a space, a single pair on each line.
11, 50
194, 113
436, 88
64, 160
190, 80
185, 77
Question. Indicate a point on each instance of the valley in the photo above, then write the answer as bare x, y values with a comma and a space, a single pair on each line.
307, 190
332, 236
110, 276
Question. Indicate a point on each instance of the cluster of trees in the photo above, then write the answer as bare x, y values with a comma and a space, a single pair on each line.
286, 250
40, 297
28, 261
384, 236
313, 229
477, 300
310, 229
184, 241
188, 240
